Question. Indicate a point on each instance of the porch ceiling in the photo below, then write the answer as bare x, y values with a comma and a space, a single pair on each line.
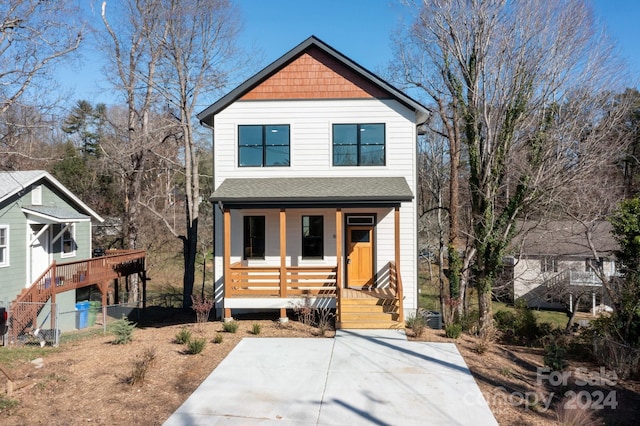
309, 192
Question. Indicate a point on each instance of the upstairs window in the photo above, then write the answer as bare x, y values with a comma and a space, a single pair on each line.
263, 145
312, 237
358, 144
4, 245
254, 237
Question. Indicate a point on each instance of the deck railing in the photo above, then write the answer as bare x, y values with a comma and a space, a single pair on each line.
395, 282
60, 277
265, 281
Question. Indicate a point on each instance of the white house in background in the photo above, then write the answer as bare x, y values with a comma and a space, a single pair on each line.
315, 182
553, 264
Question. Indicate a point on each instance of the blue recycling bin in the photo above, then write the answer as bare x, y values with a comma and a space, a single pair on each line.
82, 314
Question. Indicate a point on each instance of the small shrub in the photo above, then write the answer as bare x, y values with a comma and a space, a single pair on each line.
183, 336
325, 319
504, 320
141, 365
453, 331
555, 355
575, 416
256, 328
469, 322
195, 346
202, 306
230, 326
122, 330
305, 312
217, 339
416, 323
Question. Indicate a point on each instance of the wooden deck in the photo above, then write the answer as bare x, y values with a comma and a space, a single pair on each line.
61, 277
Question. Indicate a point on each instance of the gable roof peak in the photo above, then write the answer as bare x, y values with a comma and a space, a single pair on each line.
207, 116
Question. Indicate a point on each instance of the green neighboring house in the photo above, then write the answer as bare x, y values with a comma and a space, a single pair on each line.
41, 221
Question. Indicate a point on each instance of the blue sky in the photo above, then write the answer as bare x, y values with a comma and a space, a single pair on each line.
360, 29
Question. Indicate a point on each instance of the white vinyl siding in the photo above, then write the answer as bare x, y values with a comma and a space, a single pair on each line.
311, 155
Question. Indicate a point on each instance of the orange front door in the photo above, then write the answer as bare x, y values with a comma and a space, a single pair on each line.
360, 256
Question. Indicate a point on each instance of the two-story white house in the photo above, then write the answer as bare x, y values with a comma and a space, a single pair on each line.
315, 182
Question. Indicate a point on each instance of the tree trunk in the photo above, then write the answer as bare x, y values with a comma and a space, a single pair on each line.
485, 319
190, 250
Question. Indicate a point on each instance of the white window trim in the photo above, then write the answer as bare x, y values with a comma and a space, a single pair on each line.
72, 253
5, 263
36, 195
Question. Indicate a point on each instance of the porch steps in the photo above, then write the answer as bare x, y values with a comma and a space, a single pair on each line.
368, 312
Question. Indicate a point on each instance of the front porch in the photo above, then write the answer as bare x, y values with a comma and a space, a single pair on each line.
376, 304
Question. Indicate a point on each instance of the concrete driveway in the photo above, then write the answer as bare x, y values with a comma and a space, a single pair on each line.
363, 377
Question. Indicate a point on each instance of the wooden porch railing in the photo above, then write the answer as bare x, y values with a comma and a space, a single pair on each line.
395, 282
60, 277
249, 281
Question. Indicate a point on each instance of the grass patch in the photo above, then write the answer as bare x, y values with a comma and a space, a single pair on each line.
15, 355
7, 403
555, 318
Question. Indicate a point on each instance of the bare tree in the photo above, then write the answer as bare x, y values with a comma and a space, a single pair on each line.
198, 55
529, 82
34, 36
134, 57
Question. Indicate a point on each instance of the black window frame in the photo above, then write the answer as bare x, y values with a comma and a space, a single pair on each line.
264, 145
252, 244
359, 145
309, 240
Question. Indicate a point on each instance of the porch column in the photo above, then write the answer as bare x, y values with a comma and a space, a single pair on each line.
397, 238
399, 289
593, 303
570, 302
226, 256
283, 253
339, 239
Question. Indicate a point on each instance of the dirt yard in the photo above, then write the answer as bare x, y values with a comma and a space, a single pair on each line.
87, 381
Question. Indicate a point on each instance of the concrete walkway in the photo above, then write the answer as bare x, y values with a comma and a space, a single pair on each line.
364, 377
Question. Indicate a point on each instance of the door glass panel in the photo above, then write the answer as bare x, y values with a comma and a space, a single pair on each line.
360, 236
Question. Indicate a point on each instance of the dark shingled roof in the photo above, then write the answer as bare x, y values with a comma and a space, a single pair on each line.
314, 191
564, 238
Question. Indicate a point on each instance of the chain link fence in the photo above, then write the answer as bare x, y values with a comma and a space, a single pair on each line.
44, 323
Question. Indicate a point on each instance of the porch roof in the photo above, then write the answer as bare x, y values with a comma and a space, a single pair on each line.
311, 192
47, 214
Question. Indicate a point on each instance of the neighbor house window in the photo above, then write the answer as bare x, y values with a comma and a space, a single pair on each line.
68, 242
4, 245
549, 264
358, 145
263, 145
254, 237
312, 237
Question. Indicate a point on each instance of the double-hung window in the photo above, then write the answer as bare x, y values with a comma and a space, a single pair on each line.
263, 145
68, 242
4, 245
312, 237
254, 237
359, 144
